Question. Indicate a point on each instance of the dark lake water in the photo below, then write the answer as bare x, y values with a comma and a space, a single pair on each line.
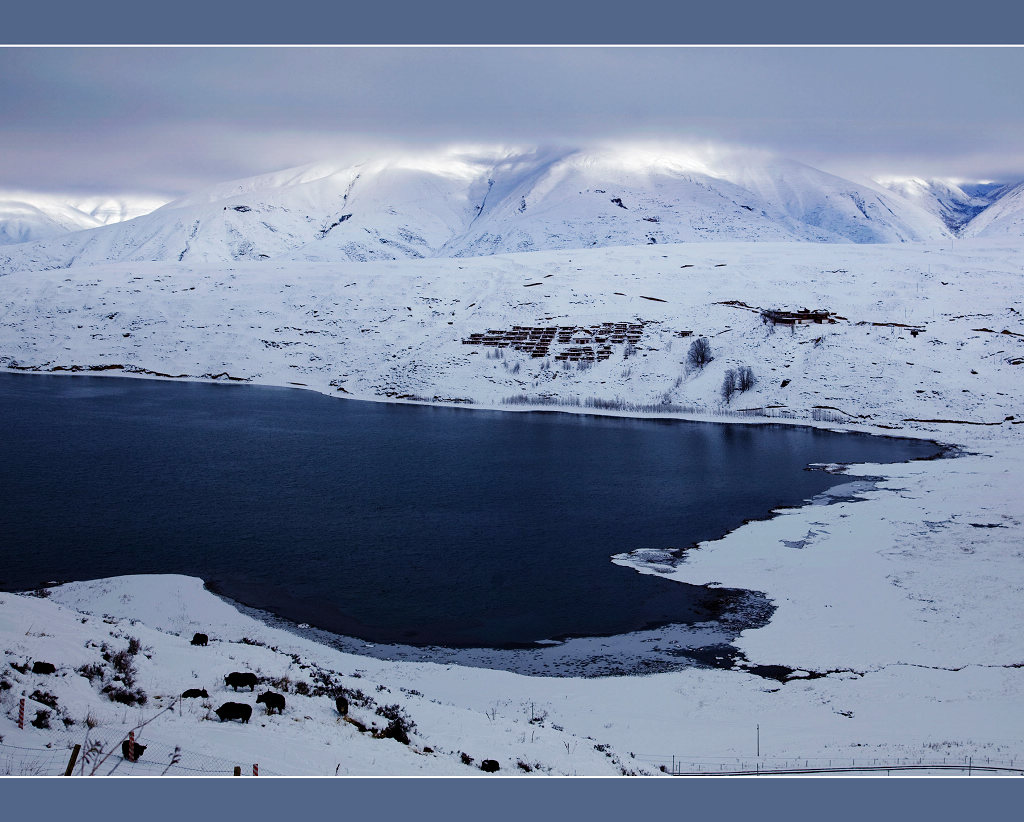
389, 523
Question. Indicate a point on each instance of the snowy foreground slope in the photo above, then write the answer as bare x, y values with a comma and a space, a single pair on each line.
898, 611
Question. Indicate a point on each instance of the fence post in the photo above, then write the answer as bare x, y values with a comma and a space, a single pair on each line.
238, 770
21, 714
131, 746
71, 762
255, 769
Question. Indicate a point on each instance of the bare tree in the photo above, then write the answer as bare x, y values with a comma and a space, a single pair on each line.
745, 379
699, 354
729, 385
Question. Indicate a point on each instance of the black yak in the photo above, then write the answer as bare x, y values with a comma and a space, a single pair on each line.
273, 701
195, 693
234, 710
43, 668
200, 639
342, 705
239, 679
126, 751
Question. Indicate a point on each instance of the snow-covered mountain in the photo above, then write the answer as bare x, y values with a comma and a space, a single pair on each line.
30, 217
472, 202
39, 218
1003, 219
954, 202
107, 210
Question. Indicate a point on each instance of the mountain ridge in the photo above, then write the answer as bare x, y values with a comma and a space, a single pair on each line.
32, 216
467, 202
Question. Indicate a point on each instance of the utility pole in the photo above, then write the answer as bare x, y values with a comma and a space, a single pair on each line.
759, 739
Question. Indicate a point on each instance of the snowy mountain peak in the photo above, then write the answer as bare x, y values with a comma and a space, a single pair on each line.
479, 200
31, 216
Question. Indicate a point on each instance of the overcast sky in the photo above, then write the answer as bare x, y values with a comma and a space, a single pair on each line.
167, 121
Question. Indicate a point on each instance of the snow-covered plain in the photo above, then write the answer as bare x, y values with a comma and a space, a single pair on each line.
908, 598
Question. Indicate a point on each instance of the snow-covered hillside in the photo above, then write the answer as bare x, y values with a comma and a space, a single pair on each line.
25, 220
107, 210
955, 203
30, 217
1004, 219
460, 203
405, 329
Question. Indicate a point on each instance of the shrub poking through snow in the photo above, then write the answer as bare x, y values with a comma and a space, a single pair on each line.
399, 724
123, 661
91, 671
44, 698
249, 641
126, 696
282, 683
357, 697
119, 680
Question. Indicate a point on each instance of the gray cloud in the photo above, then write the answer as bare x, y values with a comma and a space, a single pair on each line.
169, 120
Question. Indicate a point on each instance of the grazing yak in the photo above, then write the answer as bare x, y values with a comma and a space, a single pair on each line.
342, 705
126, 751
239, 679
234, 710
43, 668
195, 693
273, 701
200, 639
489, 766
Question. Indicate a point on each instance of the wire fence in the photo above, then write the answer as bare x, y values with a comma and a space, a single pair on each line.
157, 758
160, 759
19, 761
737, 766
101, 755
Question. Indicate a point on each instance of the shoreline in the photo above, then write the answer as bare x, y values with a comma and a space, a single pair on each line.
585, 657
526, 659
927, 435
